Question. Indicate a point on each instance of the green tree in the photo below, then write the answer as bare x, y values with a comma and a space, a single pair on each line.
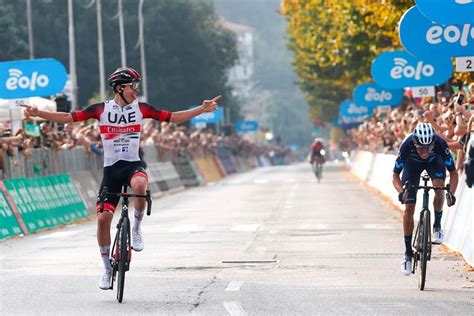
187, 51
335, 42
13, 35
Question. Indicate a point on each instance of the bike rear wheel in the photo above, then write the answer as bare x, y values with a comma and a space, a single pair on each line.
123, 242
425, 245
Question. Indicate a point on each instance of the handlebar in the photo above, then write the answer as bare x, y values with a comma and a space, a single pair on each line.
104, 194
407, 186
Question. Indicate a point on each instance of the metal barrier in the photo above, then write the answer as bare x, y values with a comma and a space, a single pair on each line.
45, 162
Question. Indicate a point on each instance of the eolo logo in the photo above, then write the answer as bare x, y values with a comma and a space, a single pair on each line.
16, 80
402, 69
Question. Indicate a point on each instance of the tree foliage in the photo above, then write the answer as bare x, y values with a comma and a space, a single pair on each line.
335, 42
187, 51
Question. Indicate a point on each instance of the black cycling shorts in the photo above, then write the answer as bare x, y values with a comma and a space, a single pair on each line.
115, 176
412, 172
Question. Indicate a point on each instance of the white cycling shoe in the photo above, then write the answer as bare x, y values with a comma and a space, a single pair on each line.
105, 281
406, 265
438, 236
137, 240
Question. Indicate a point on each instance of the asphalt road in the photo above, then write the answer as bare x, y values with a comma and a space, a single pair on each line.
271, 241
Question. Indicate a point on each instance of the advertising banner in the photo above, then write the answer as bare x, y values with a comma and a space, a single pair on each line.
372, 95
28, 78
426, 39
447, 11
398, 69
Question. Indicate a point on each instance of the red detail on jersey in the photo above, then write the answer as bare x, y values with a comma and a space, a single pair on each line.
150, 112
92, 111
107, 129
108, 207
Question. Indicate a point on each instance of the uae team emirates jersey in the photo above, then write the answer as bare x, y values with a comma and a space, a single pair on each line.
120, 128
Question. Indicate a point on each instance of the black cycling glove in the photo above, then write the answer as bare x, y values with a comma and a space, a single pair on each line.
401, 197
450, 199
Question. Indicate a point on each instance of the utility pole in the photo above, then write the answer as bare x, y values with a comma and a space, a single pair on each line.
100, 45
142, 50
122, 36
72, 55
30, 29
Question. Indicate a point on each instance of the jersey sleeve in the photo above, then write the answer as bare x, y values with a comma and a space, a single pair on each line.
443, 151
150, 112
402, 156
92, 111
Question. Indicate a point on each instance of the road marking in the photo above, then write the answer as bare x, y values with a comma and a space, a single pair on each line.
184, 228
234, 309
260, 181
245, 228
234, 286
60, 234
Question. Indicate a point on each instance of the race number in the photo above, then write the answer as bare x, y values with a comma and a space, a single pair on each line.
419, 92
465, 64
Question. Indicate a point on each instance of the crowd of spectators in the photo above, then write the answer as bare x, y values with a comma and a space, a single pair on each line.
384, 132
169, 139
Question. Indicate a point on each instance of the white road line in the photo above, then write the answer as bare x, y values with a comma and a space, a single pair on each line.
234, 286
245, 228
184, 228
260, 181
60, 234
234, 309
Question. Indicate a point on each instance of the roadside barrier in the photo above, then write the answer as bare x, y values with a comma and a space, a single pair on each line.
225, 156
10, 218
208, 169
187, 172
45, 202
87, 187
165, 176
458, 221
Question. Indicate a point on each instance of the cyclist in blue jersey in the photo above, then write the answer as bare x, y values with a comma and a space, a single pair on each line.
422, 150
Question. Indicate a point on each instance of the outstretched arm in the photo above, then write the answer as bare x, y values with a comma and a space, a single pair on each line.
207, 106
60, 117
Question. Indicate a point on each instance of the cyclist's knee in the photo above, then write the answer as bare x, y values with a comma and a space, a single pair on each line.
104, 219
139, 184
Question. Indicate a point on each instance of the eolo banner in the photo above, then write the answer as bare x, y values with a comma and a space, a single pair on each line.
30, 78
372, 95
425, 38
447, 11
398, 69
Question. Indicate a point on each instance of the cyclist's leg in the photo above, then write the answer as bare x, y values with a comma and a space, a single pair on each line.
437, 172
411, 173
139, 183
112, 182
104, 220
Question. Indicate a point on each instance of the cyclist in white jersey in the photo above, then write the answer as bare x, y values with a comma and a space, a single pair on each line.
120, 121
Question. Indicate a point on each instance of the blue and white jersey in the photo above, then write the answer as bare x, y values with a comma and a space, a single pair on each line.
407, 154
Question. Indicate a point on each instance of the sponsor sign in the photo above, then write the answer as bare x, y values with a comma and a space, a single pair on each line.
209, 117
447, 11
28, 78
352, 113
372, 95
398, 69
424, 38
246, 126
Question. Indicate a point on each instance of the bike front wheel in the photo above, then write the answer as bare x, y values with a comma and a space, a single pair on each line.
425, 245
123, 242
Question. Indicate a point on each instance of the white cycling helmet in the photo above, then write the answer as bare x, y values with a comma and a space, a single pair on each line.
423, 135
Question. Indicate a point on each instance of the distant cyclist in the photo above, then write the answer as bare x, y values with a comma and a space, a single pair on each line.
422, 150
317, 151
120, 121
